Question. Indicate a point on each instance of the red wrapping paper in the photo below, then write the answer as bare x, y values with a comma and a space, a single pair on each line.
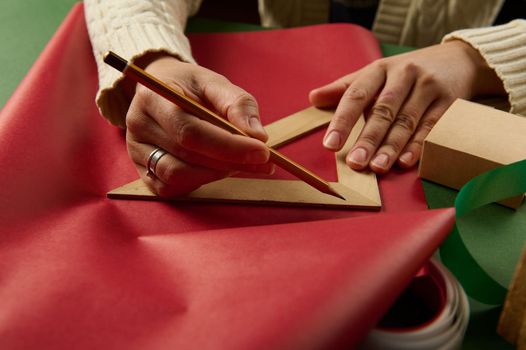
81, 271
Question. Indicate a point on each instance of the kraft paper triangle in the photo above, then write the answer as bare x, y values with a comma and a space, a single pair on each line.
359, 188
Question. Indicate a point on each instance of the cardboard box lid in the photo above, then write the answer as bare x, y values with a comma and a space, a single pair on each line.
482, 131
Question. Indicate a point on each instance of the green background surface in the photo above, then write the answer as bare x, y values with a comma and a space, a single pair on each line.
494, 236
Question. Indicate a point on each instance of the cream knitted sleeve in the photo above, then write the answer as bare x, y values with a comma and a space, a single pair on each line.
134, 28
504, 49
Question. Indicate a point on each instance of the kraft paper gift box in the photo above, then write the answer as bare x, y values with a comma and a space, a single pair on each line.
470, 139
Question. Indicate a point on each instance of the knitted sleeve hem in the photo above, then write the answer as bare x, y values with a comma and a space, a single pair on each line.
504, 49
133, 29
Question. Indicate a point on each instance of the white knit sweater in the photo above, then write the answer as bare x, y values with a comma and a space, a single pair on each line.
135, 28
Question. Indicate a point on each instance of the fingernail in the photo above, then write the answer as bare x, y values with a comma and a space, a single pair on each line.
406, 158
332, 140
358, 156
380, 161
257, 157
272, 170
255, 124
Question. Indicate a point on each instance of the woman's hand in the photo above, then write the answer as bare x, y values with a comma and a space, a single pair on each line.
198, 152
403, 97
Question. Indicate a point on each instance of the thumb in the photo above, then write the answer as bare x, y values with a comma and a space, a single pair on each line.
244, 113
238, 106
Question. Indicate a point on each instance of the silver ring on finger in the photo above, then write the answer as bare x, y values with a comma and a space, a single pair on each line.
153, 159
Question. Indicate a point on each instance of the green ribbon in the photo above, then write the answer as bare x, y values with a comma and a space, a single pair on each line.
493, 186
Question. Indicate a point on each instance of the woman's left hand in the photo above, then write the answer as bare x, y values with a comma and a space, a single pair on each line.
405, 96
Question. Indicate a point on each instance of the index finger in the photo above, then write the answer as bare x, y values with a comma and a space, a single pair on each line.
360, 93
185, 131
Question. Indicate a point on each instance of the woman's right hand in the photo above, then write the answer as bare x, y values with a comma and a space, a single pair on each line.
198, 152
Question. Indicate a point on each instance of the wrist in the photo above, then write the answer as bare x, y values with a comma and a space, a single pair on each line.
485, 80
145, 62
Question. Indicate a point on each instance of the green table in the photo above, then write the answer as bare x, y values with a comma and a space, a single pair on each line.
26, 26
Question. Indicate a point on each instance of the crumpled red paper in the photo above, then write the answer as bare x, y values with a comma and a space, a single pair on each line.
78, 270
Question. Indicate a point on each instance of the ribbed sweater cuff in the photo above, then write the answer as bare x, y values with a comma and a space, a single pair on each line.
390, 20
504, 49
132, 43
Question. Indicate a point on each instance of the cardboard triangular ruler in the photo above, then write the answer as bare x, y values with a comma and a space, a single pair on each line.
359, 188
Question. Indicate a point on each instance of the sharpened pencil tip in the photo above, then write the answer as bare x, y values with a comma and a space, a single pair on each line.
333, 192
340, 196
115, 61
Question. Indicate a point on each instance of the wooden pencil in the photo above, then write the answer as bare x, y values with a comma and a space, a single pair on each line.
193, 107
